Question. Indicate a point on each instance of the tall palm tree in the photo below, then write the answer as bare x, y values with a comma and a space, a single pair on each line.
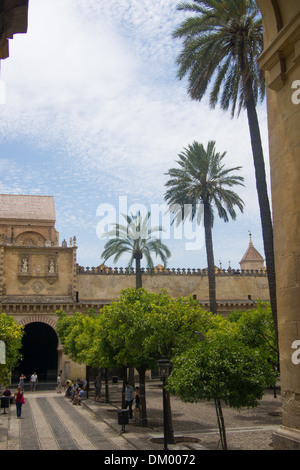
221, 45
137, 239
202, 178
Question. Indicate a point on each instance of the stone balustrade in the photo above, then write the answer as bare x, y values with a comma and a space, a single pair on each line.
169, 271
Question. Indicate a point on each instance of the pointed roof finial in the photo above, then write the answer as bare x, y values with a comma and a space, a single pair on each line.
250, 236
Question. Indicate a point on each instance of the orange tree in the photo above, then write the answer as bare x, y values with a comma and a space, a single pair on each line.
133, 331
11, 334
232, 365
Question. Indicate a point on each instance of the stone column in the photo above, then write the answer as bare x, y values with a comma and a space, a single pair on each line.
281, 61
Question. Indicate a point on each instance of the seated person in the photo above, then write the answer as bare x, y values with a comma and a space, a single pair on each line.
78, 396
7, 393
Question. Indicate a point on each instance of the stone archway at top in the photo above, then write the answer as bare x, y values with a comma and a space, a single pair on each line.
39, 349
273, 17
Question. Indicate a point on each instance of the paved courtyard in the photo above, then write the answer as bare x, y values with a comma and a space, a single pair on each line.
51, 422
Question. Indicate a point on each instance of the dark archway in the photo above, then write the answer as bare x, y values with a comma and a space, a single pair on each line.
39, 350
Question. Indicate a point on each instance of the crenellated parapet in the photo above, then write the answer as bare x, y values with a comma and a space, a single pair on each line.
109, 271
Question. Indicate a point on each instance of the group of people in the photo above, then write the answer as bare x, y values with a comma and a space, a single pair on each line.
18, 396
33, 381
76, 391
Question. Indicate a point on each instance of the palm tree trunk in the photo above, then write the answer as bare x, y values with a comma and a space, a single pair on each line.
138, 273
210, 257
263, 199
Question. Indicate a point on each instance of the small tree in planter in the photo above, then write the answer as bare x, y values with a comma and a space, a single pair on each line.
222, 368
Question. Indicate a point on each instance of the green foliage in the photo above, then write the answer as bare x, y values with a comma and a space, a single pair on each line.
11, 333
256, 329
212, 357
202, 177
135, 330
141, 326
234, 363
221, 44
76, 334
137, 239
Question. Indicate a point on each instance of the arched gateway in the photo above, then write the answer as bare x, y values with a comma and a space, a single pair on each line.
41, 350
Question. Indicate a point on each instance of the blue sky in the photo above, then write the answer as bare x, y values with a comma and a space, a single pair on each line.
94, 112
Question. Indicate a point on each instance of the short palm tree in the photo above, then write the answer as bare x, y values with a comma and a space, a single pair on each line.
202, 178
221, 45
137, 239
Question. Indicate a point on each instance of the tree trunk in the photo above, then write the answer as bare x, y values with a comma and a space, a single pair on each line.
263, 199
124, 385
221, 424
142, 383
106, 385
138, 274
210, 258
261, 186
170, 431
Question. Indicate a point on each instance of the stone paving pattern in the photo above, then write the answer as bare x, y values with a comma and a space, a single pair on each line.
50, 422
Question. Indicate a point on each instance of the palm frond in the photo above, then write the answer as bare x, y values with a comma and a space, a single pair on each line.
221, 44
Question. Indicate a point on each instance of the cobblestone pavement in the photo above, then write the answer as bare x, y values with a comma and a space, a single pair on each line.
50, 422
195, 425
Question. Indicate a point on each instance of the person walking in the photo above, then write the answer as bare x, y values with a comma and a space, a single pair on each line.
136, 402
129, 398
97, 384
22, 381
20, 400
33, 381
59, 384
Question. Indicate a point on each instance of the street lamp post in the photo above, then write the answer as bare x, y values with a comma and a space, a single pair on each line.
163, 366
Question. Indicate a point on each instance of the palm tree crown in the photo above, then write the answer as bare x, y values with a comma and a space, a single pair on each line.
137, 239
222, 45
202, 178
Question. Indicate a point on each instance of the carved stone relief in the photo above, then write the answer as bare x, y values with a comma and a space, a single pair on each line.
37, 286
30, 267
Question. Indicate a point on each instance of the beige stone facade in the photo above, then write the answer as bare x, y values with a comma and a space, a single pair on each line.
281, 62
236, 290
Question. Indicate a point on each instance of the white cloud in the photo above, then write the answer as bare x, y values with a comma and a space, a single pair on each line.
92, 90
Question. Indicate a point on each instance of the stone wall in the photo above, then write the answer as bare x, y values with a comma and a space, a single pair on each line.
37, 274
235, 288
281, 62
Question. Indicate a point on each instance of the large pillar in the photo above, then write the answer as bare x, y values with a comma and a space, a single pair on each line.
281, 61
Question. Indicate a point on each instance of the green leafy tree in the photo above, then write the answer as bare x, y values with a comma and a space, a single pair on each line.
222, 368
140, 327
137, 239
134, 331
11, 334
256, 329
76, 335
202, 178
221, 45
